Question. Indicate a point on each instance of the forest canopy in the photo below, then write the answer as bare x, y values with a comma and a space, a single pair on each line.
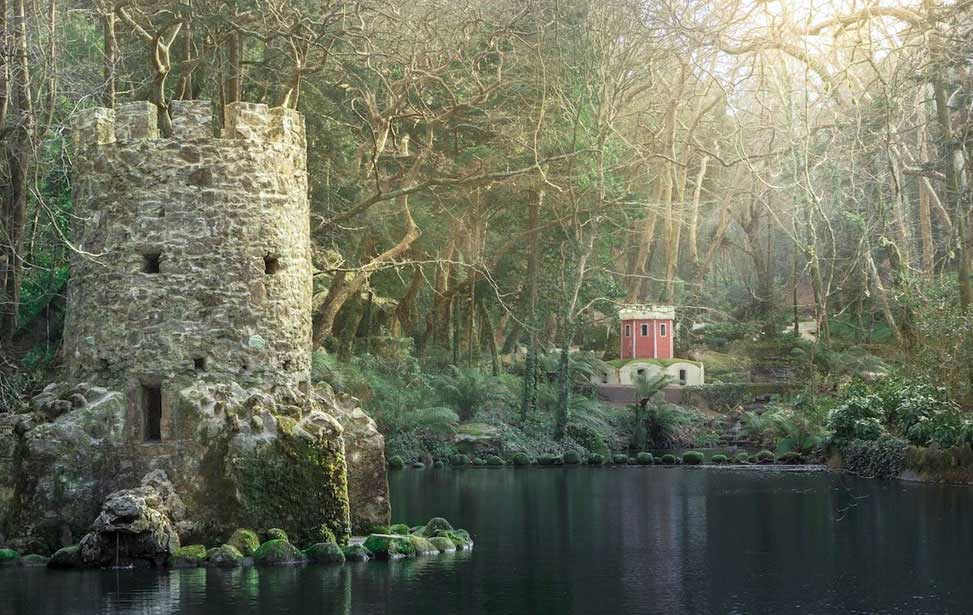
492, 174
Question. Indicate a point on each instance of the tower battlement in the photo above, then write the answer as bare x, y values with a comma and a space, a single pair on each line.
194, 251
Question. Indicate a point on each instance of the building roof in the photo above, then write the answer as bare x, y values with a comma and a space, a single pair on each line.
647, 312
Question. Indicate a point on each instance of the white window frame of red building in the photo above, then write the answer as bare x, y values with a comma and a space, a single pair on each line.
662, 329
628, 330
644, 329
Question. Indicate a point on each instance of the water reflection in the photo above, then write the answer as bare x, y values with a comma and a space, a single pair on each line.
587, 540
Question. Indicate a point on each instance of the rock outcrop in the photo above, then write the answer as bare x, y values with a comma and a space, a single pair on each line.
136, 526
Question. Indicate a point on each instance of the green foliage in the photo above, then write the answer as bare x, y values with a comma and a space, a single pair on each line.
791, 458
245, 541
644, 459
8, 556
396, 462
719, 459
764, 456
275, 533
882, 457
718, 397
692, 458
468, 390
742, 458
399, 529
858, 417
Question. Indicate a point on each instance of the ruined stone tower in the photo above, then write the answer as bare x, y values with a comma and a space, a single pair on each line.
194, 259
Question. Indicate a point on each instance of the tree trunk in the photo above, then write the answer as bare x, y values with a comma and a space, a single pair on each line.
529, 398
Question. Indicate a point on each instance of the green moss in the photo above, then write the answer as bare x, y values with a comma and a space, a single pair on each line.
396, 462
572, 458
460, 538
438, 464
9, 557
479, 462
596, 460
435, 525
33, 559
692, 458
296, 482
521, 459
442, 544
275, 552
399, 529
275, 533
245, 541
224, 556
197, 552
765, 456
645, 459
742, 458
549, 460
422, 545
669, 459
286, 425
620, 459
325, 553
67, 557
719, 459
494, 460
380, 529
356, 553
388, 546
459, 460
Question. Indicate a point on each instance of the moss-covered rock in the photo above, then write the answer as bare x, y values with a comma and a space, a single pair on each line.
389, 546
188, 557
620, 459
325, 553
434, 526
645, 459
380, 529
521, 459
34, 560
356, 553
275, 533
438, 464
719, 459
274, 552
692, 458
400, 529
669, 459
9, 557
742, 458
67, 557
459, 460
479, 462
572, 458
596, 460
418, 465
422, 545
460, 538
442, 544
396, 462
764, 457
495, 460
245, 541
549, 460
224, 556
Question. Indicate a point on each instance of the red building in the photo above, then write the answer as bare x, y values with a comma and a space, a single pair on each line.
647, 332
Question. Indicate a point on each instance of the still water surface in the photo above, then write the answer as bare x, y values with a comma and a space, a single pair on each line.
597, 540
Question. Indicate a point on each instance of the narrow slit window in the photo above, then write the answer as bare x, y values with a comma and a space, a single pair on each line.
628, 330
645, 330
662, 329
150, 262
682, 376
271, 264
152, 412
199, 364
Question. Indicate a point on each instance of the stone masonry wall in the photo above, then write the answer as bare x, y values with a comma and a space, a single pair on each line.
195, 250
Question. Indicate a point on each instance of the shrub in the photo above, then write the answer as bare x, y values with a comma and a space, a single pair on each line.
669, 459
572, 458
719, 459
882, 458
764, 456
521, 459
596, 460
692, 458
396, 462
549, 460
791, 458
858, 418
479, 462
644, 459
620, 459
459, 460
742, 458
494, 460
467, 390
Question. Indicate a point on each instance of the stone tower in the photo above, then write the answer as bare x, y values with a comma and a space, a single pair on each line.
194, 254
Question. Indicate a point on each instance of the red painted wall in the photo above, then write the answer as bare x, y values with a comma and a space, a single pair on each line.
651, 346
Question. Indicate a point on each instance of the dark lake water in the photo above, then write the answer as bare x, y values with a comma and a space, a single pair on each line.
593, 540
